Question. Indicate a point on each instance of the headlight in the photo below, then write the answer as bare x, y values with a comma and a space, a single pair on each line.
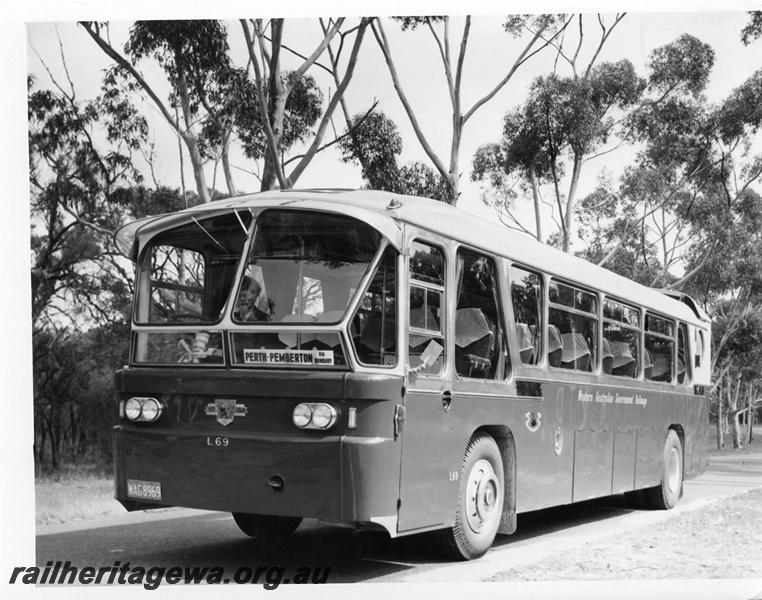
146, 410
323, 416
302, 415
309, 415
151, 410
132, 409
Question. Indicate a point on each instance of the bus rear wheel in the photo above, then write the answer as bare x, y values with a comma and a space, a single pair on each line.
265, 529
665, 495
480, 501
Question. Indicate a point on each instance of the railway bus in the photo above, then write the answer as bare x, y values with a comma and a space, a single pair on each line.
395, 363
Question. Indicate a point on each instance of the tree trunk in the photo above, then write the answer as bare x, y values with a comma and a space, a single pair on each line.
735, 415
737, 431
536, 200
720, 432
41, 446
226, 169
569, 215
752, 419
198, 168
189, 136
457, 132
277, 114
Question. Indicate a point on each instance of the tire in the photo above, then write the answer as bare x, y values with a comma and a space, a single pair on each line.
480, 501
665, 495
266, 530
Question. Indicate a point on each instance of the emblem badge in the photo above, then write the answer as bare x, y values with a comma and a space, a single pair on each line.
533, 420
225, 410
558, 441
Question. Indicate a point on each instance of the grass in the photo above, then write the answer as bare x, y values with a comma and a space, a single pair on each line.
754, 447
65, 498
722, 540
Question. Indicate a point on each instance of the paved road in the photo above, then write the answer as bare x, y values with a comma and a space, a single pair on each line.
209, 539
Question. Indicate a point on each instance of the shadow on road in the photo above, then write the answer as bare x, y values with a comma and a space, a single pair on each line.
353, 556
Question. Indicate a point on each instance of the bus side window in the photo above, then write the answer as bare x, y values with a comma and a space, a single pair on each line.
427, 305
573, 315
658, 359
683, 363
526, 296
621, 333
699, 347
480, 348
374, 326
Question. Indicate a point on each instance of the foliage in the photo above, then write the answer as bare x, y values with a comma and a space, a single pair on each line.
373, 141
289, 103
196, 50
412, 23
302, 110
564, 119
568, 119
753, 29
84, 184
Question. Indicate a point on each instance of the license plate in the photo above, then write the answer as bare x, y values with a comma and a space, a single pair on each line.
145, 490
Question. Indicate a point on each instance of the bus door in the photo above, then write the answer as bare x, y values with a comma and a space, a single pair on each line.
424, 482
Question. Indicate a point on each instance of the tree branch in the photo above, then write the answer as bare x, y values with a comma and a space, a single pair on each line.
524, 55
294, 175
339, 138
125, 64
383, 43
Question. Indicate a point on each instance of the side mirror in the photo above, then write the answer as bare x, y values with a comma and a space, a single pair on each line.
428, 357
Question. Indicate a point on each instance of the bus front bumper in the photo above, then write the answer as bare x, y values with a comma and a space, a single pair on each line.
256, 473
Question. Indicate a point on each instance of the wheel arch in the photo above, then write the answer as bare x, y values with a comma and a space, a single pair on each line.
506, 443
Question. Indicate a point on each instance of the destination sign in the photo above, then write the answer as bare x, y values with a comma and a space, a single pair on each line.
288, 357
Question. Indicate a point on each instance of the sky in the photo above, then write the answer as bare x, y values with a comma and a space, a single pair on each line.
651, 23
490, 52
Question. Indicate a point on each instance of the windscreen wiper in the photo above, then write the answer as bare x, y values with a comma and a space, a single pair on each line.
211, 237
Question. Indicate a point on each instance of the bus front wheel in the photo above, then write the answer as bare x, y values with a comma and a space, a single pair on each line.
480, 501
666, 494
265, 529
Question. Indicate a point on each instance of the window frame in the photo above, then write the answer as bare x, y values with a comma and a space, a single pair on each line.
410, 282
673, 338
542, 313
385, 246
502, 321
596, 316
639, 373
682, 327
350, 307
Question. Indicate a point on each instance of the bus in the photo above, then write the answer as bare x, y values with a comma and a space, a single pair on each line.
397, 364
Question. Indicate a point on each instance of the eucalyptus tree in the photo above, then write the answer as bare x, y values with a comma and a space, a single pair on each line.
373, 140
83, 185
541, 31
568, 121
274, 88
185, 51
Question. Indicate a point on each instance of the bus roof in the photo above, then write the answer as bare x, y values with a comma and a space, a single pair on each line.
384, 210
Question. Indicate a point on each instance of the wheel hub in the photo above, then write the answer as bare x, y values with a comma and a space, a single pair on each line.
482, 495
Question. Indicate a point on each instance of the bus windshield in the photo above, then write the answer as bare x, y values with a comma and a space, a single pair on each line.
304, 267
187, 272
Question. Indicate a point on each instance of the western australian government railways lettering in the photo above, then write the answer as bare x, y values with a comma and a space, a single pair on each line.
611, 398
